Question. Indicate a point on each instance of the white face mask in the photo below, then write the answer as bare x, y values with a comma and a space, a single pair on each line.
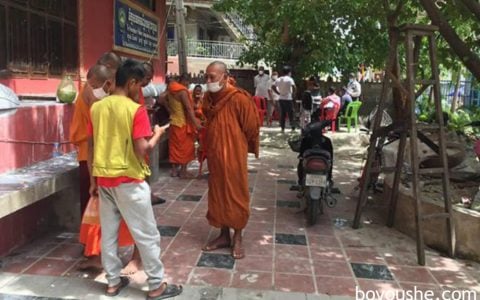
214, 87
99, 93
274, 77
260, 73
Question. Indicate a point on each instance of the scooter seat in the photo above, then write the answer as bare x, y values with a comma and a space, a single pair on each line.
317, 152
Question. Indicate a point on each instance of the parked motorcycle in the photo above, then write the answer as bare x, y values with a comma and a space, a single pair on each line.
314, 169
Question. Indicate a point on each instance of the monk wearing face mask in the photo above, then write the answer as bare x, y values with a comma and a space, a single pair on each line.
99, 82
232, 132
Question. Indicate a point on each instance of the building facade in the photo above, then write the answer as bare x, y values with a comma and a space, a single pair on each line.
41, 41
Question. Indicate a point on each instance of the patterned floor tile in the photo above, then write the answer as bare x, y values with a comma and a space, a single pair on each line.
370, 271
194, 198
294, 283
212, 260
290, 239
166, 230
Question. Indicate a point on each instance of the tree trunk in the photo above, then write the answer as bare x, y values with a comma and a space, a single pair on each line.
469, 59
458, 73
399, 112
473, 6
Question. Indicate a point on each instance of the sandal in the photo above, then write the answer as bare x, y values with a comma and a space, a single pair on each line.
170, 291
124, 281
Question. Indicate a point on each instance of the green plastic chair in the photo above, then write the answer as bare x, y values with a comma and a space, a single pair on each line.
351, 114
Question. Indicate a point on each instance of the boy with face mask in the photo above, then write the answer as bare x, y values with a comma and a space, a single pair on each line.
120, 137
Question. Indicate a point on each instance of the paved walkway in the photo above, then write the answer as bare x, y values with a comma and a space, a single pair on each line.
283, 255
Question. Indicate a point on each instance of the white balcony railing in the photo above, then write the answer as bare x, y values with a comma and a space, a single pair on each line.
208, 49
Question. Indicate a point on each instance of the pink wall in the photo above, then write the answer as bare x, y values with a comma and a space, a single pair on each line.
40, 123
27, 136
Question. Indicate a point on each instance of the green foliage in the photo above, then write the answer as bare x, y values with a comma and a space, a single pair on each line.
460, 121
326, 36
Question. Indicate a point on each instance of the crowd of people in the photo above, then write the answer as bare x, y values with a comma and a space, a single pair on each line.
113, 133
280, 94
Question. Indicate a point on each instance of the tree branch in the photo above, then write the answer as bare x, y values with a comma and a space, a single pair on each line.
469, 59
473, 6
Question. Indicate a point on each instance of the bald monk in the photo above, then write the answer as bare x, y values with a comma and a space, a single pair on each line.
183, 127
78, 127
232, 133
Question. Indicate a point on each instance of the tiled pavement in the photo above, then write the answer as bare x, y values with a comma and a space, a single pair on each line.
283, 254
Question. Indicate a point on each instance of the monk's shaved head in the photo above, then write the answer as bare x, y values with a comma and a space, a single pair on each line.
110, 59
220, 65
100, 73
216, 76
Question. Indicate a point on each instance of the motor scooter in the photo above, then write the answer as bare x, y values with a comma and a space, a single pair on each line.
314, 169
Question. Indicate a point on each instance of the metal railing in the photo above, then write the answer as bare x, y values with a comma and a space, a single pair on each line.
233, 18
237, 21
208, 49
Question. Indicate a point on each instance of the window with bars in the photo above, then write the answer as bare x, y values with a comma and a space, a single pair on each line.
38, 38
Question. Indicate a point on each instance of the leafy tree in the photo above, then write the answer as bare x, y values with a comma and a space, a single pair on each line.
326, 36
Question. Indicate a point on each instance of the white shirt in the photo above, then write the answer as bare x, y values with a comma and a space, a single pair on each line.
285, 86
262, 85
354, 89
275, 96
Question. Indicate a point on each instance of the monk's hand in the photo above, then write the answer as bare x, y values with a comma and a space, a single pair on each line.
157, 130
93, 189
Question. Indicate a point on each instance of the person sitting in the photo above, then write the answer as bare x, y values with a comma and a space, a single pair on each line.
345, 100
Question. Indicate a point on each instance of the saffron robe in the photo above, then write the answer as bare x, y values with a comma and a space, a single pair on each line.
232, 132
181, 142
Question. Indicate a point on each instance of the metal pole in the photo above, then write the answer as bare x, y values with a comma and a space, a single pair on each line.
181, 37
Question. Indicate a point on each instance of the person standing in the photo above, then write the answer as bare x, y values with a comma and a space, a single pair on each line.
184, 127
149, 71
120, 137
354, 88
285, 88
263, 89
233, 129
78, 128
275, 108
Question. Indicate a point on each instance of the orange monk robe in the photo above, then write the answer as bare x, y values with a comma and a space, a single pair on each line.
181, 141
232, 132
78, 127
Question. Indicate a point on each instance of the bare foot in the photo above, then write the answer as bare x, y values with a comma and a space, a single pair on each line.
173, 173
92, 262
237, 250
186, 175
220, 242
132, 267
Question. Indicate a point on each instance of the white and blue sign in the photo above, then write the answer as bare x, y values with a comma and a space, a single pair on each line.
135, 29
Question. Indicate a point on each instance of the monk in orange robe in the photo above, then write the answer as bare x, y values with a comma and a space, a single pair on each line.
99, 83
232, 132
183, 127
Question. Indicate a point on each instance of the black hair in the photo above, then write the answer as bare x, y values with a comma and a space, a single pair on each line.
198, 86
331, 90
128, 70
286, 70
